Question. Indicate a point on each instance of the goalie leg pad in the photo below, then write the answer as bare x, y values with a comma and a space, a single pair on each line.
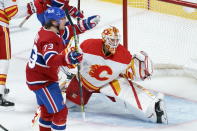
138, 100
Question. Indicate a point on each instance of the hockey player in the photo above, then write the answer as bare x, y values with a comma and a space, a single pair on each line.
42, 70
42, 5
8, 10
108, 68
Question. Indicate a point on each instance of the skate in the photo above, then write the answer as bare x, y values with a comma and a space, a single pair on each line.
160, 111
156, 112
4, 102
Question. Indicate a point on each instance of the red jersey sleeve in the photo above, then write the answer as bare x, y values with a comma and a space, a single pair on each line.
50, 45
68, 33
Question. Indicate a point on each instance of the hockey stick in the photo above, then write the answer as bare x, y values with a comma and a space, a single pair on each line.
78, 66
78, 19
23, 22
78, 6
2, 127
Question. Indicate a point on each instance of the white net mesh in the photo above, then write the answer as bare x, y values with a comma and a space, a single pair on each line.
169, 40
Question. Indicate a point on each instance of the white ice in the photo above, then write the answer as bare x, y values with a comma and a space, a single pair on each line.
101, 114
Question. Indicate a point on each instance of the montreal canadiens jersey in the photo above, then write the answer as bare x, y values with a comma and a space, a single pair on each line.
97, 69
45, 59
8, 9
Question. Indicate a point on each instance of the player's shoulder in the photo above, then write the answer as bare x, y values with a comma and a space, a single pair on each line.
90, 42
123, 53
122, 48
92, 46
46, 35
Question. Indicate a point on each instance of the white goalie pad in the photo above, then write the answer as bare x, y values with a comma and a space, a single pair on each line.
138, 100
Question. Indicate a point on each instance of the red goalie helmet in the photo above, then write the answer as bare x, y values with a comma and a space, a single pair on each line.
111, 37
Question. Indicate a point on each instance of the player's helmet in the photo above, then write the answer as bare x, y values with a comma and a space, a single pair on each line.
53, 13
111, 37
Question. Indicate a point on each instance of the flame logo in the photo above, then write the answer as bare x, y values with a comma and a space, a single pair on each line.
96, 70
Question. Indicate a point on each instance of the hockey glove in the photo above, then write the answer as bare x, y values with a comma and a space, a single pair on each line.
74, 57
143, 64
89, 23
76, 13
31, 8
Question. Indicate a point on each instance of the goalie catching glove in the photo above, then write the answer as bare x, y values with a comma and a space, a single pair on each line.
89, 23
143, 65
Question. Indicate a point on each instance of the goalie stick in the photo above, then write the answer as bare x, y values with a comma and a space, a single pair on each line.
78, 66
2, 127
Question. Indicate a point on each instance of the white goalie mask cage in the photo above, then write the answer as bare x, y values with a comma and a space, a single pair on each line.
111, 37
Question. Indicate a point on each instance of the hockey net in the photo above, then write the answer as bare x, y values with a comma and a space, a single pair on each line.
165, 29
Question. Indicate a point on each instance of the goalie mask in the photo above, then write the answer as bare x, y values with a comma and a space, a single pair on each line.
111, 38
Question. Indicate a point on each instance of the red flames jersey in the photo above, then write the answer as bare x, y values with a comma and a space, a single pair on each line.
98, 70
45, 59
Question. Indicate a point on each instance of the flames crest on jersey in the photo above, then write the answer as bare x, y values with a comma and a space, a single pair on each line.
96, 70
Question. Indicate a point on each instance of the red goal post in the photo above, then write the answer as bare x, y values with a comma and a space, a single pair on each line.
125, 23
